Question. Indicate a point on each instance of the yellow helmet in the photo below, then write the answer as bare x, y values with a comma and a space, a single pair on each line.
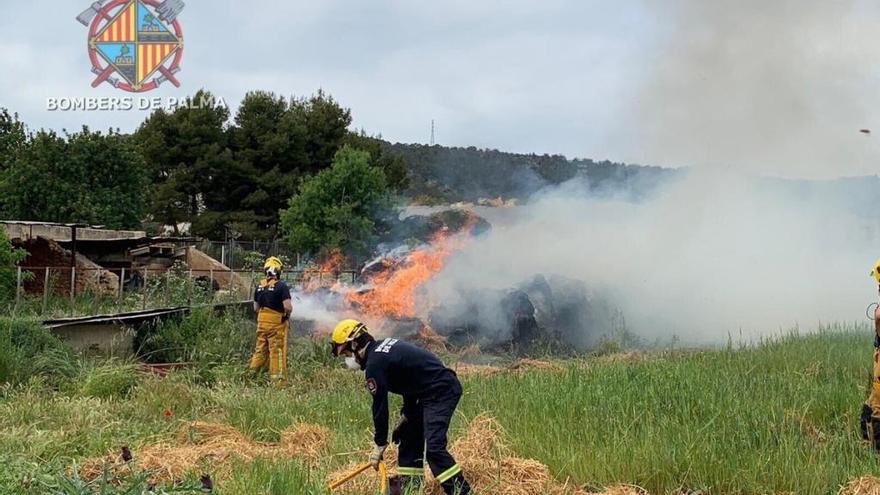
875, 272
344, 333
273, 266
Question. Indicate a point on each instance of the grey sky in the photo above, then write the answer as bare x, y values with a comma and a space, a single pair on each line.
778, 88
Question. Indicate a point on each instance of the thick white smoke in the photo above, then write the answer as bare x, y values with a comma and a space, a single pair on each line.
711, 255
776, 87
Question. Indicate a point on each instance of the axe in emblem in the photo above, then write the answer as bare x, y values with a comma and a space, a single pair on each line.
167, 76
112, 80
89, 14
169, 10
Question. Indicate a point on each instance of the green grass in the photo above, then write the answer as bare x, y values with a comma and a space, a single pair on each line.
778, 416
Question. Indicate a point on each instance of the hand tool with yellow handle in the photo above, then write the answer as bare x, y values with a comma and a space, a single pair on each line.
383, 476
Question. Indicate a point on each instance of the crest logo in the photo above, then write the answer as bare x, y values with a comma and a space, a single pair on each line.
134, 45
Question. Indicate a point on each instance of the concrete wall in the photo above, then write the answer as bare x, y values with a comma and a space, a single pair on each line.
98, 338
59, 233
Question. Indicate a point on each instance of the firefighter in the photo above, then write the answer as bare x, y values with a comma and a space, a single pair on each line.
273, 306
870, 421
430, 393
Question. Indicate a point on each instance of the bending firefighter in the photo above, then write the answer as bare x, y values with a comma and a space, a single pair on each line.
430, 394
870, 422
272, 305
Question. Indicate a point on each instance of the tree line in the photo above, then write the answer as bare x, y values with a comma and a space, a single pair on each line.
277, 168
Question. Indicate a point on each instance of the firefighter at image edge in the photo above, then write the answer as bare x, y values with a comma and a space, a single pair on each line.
273, 307
430, 393
870, 421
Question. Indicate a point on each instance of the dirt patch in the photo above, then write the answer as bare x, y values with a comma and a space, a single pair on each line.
211, 448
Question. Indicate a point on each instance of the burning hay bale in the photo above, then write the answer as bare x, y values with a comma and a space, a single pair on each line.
866, 485
211, 448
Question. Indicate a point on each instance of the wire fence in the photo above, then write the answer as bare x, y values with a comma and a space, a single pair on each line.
58, 292
245, 255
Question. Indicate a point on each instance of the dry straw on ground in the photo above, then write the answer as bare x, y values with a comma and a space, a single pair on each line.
866, 485
211, 448
489, 466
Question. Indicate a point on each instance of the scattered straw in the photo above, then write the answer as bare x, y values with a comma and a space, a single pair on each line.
535, 364
866, 485
431, 340
211, 448
465, 369
487, 463
622, 489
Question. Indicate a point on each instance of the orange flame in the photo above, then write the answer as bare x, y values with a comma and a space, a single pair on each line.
396, 287
326, 274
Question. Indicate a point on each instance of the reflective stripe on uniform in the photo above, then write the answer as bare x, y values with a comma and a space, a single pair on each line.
448, 474
410, 471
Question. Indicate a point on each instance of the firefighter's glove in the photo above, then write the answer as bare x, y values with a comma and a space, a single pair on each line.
398, 430
865, 419
376, 455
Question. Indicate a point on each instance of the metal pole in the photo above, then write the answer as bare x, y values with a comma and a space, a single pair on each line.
211, 288
189, 288
72, 283
121, 286
223, 254
45, 291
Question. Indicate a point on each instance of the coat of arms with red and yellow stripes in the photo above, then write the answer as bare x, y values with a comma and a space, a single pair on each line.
135, 45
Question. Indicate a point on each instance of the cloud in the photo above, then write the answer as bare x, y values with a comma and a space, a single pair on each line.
779, 88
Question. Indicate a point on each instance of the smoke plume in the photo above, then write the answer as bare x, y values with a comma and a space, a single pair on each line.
711, 255
779, 88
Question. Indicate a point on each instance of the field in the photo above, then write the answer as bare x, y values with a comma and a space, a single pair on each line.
770, 417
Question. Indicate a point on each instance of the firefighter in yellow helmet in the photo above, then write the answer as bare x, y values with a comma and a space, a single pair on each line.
870, 421
273, 307
430, 393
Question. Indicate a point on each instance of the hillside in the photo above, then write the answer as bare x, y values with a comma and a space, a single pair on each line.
445, 174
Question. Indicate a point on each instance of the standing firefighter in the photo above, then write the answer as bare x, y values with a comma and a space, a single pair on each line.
272, 305
430, 394
870, 422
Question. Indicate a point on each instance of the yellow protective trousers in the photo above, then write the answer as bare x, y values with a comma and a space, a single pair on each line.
271, 346
874, 397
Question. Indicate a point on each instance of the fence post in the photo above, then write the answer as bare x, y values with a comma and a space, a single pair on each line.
121, 287
167, 288
45, 291
212, 284
17, 291
146, 285
72, 283
189, 288
223, 253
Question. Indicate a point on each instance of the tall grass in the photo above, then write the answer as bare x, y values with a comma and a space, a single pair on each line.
777, 416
